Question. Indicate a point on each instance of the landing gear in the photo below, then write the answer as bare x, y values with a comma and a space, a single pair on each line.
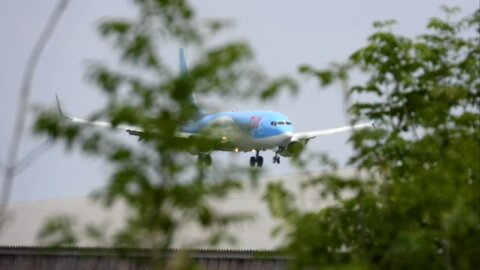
259, 161
204, 160
276, 158
256, 160
253, 161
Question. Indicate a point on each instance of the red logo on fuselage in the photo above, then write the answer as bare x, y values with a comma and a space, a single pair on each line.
255, 121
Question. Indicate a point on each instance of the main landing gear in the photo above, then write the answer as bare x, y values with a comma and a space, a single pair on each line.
256, 160
204, 159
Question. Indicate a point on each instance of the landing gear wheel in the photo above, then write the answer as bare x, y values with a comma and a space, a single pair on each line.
276, 158
253, 160
259, 161
256, 160
208, 160
204, 160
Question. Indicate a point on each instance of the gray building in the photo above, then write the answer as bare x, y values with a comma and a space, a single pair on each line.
253, 237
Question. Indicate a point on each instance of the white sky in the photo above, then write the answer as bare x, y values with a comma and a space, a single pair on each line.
284, 34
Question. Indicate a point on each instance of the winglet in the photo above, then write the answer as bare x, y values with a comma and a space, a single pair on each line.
59, 107
182, 62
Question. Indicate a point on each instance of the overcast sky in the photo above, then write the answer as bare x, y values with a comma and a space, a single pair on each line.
284, 34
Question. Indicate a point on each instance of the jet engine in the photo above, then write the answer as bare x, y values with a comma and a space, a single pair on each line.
293, 149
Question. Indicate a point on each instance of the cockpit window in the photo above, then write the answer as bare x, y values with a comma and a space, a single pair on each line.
280, 123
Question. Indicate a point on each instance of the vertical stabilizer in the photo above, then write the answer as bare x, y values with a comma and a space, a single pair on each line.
182, 62
184, 71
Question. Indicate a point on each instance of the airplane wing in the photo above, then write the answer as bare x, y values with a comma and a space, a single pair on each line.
131, 130
312, 134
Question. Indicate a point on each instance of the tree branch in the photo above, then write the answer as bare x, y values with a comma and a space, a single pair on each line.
10, 166
33, 155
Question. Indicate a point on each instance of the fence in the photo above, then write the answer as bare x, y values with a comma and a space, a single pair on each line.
135, 259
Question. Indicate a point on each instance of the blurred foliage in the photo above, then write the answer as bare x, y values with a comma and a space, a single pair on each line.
418, 207
158, 180
58, 231
65, 230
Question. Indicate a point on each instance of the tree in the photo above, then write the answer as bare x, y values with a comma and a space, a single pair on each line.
13, 164
418, 208
157, 178
420, 205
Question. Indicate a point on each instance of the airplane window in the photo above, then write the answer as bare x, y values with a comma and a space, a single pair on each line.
273, 123
281, 123
289, 123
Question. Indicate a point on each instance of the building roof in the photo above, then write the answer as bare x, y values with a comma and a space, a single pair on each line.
26, 219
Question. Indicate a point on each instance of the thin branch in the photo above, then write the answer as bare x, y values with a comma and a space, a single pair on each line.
33, 155
23, 101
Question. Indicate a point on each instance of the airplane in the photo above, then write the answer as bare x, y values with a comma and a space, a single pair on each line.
238, 131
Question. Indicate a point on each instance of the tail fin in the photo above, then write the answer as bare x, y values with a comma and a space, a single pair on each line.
182, 62
59, 106
184, 71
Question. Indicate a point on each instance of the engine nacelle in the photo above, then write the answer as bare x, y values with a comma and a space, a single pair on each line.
293, 149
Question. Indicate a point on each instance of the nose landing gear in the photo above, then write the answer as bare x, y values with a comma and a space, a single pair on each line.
256, 160
204, 159
276, 158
